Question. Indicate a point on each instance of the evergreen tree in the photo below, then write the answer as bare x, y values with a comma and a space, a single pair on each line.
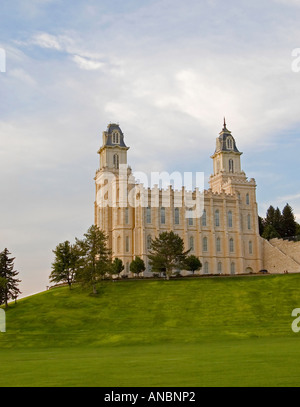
270, 233
261, 225
167, 253
117, 266
2, 290
192, 263
289, 224
277, 221
66, 263
137, 266
298, 230
8, 281
96, 257
269, 220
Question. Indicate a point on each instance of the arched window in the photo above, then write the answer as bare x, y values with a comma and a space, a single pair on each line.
126, 216
218, 244
217, 217
204, 244
220, 267
204, 218
231, 245
206, 267
230, 219
176, 216
231, 165
247, 199
127, 244
148, 214
249, 221
116, 161
232, 268
250, 247
162, 216
192, 243
149, 241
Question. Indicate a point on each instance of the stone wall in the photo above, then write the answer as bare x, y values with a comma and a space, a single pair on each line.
277, 256
290, 248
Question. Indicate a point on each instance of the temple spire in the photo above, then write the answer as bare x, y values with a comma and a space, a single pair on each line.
224, 123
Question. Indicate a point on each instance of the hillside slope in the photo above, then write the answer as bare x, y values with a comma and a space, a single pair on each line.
149, 312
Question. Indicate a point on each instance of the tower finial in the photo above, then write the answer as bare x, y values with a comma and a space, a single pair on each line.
224, 123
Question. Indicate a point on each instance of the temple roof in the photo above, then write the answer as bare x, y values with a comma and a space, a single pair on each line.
110, 129
222, 144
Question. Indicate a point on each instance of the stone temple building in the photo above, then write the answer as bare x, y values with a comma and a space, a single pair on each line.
224, 234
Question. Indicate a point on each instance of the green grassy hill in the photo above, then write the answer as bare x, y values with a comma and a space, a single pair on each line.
205, 326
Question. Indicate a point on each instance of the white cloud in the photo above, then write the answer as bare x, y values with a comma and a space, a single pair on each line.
45, 40
87, 64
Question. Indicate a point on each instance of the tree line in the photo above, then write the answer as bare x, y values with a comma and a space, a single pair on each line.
89, 260
279, 224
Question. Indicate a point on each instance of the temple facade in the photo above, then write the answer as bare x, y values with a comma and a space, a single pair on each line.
224, 234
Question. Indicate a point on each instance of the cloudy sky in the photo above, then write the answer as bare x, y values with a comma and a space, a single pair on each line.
168, 71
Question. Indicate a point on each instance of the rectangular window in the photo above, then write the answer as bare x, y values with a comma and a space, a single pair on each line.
192, 243
126, 216
230, 219
219, 267
204, 244
191, 220
162, 216
204, 218
218, 244
217, 218
148, 214
127, 244
232, 268
176, 216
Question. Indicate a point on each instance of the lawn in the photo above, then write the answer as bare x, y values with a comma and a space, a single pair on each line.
223, 331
